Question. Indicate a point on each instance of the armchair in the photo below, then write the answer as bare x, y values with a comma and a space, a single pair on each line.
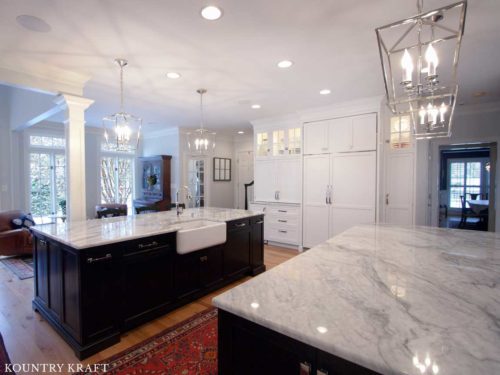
14, 241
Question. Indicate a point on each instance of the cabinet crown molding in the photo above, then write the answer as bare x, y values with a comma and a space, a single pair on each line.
343, 109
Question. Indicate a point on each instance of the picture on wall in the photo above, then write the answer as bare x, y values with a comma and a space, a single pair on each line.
222, 169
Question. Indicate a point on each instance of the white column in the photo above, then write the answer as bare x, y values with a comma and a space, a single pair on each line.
74, 127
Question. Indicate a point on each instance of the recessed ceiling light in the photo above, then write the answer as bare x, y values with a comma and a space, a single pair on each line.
33, 23
255, 106
285, 64
241, 132
211, 13
173, 75
325, 92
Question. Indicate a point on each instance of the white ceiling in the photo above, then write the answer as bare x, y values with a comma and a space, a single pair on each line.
332, 44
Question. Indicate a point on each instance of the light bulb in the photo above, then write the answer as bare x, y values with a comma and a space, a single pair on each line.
442, 111
422, 114
407, 65
432, 60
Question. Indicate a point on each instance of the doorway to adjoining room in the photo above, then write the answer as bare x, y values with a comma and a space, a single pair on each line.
466, 186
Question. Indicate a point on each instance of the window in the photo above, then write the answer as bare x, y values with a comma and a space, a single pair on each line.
117, 180
47, 176
400, 132
466, 177
196, 181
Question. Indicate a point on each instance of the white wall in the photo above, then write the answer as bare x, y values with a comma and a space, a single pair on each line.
166, 142
5, 150
242, 143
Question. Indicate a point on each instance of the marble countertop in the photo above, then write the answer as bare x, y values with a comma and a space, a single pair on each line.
387, 298
97, 232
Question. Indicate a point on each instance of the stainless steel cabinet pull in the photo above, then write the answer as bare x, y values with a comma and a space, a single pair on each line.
241, 225
283, 211
330, 195
260, 222
282, 231
305, 368
145, 246
321, 372
387, 199
101, 259
326, 194
278, 195
203, 258
43, 242
282, 221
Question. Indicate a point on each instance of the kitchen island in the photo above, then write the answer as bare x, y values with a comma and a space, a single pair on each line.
98, 278
374, 299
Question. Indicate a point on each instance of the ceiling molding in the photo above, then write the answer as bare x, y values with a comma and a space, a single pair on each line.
44, 78
161, 133
343, 109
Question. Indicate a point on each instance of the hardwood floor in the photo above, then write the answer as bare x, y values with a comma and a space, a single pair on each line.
29, 339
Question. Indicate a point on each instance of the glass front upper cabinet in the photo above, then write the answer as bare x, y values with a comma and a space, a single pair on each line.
294, 141
262, 144
279, 142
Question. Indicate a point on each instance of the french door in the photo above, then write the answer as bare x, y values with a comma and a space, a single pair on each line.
47, 176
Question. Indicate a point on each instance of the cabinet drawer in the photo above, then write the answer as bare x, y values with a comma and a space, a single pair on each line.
147, 244
284, 220
238, 224
282, 211
282, 234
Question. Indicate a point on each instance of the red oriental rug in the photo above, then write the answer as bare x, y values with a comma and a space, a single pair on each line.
188, 348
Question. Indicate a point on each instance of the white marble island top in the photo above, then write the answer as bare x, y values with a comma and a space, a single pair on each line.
387, 298
97, 232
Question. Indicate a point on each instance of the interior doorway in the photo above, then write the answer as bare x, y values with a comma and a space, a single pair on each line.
244, 176
467, 186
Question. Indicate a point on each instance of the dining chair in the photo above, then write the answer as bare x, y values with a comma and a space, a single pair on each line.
466, 213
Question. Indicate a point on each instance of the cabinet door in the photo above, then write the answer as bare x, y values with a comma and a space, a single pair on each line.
262, 144
316, 209
265, 181
353, 190
187, 279
100, 283
237, 248
211, 266
246, 348
329, 364
42, 271
288, 176
257, 245
316, 137
147, 280
398, 200
364, 132
341, 136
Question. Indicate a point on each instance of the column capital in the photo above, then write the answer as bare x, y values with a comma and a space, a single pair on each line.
72, 101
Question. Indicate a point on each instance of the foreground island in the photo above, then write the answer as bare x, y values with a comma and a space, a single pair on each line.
375, 299
98, 278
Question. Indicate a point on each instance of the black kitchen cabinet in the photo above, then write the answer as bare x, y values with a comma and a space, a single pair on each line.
237, 248
99, 282
147, 279
246, 348
197, 270
257, 245
90, 296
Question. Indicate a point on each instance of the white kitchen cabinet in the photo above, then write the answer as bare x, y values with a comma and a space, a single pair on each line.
316, 137
278, 180
399, 188
316, 210
339, 192
265, 185
281, 222
344, 134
